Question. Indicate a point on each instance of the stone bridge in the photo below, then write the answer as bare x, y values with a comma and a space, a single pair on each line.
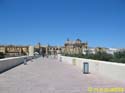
48, 75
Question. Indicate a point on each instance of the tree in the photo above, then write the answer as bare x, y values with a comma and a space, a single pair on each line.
119, 57
2, 55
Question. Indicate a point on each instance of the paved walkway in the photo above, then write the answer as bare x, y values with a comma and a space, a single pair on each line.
50, 76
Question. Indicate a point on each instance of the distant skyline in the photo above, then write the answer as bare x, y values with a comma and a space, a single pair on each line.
98, 22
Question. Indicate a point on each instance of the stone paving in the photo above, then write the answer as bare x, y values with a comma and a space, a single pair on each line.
51, 76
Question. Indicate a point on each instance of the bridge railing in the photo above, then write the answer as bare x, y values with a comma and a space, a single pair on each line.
110, 70
8, 63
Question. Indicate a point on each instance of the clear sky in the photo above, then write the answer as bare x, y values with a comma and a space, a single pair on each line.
99, 22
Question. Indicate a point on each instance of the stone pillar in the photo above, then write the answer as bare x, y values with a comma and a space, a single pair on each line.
31, 51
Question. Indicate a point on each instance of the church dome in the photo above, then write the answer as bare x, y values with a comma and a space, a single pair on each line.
67, 41
78, 40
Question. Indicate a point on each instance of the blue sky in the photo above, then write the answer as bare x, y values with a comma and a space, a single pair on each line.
99, 22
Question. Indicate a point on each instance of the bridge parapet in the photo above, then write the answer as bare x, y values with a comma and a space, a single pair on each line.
8, 63
114, 71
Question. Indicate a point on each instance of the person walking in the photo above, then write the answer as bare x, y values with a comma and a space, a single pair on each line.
43, 53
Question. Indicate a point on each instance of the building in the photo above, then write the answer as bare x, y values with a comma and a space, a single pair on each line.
107, 50
111, 50
90, 50
13, 50
102, 49
2, 49
70, 47
74, 47
47, 49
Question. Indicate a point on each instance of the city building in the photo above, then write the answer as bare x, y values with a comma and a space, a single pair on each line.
47, 49
74, 47
102, 49
111, 50
13, 50
2, 49
90, 50
70, 47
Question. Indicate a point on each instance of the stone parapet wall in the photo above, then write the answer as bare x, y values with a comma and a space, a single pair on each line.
9, 63
114, 71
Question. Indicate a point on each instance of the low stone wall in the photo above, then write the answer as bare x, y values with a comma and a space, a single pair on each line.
114, 71
9, 63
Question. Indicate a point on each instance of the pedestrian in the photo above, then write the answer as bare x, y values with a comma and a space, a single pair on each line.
43, 54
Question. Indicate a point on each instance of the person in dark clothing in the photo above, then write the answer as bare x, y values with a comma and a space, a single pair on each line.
43, 53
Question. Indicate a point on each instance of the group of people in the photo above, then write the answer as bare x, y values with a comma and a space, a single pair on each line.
43, 53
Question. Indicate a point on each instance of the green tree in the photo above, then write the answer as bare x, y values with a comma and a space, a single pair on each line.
2, 55
119, 57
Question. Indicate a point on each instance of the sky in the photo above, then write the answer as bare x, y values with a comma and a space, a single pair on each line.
101, 23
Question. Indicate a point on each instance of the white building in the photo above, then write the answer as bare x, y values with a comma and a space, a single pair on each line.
111, 50
89, 50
